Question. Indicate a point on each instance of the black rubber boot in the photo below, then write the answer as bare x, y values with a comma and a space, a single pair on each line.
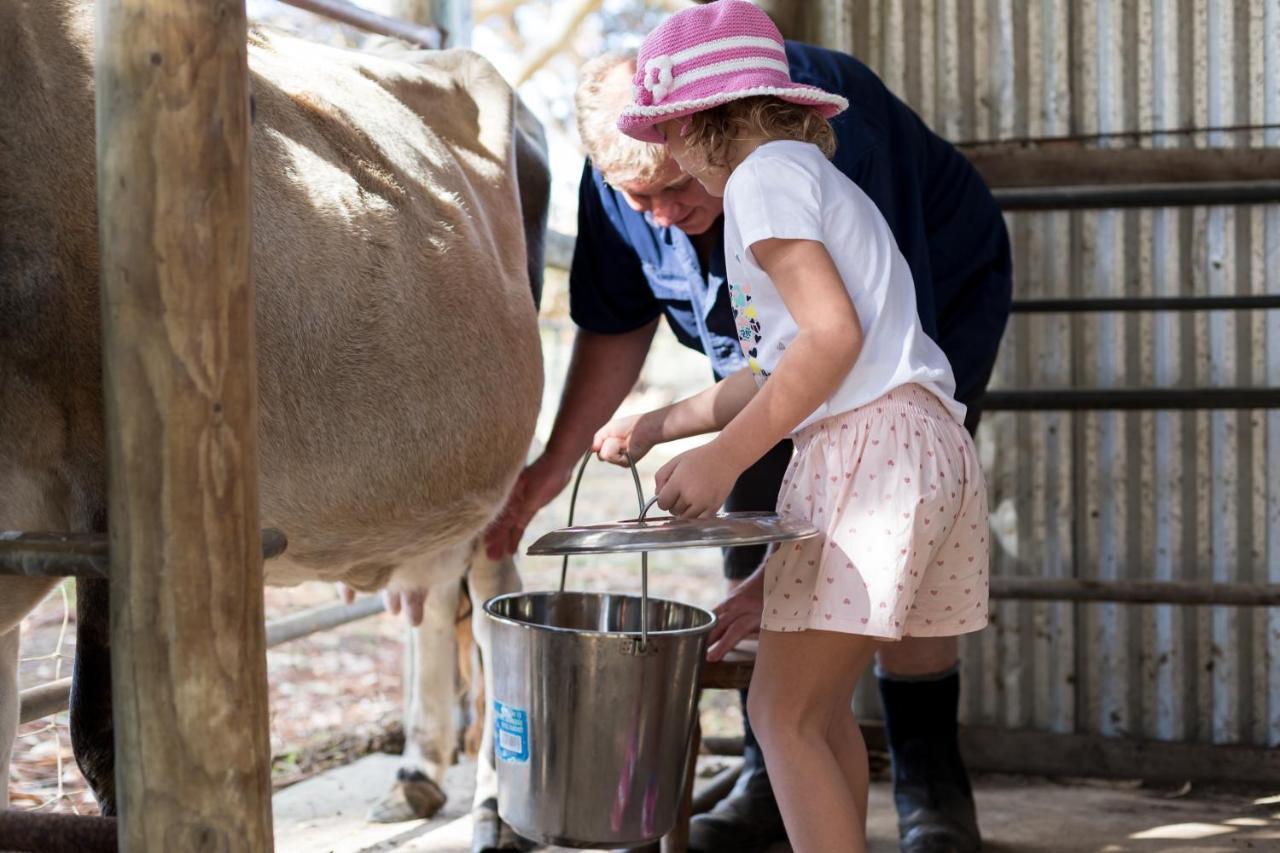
931, 788
747, 820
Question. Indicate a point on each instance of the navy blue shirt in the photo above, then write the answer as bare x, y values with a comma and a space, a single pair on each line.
627, 271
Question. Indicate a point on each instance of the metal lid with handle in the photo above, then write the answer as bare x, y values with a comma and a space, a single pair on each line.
643, 534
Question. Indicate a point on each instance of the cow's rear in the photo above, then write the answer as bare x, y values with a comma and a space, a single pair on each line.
399, 360
400, 363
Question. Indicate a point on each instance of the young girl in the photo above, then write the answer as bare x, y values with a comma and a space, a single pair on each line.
838, 360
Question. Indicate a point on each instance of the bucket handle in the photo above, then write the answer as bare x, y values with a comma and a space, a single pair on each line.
645, 506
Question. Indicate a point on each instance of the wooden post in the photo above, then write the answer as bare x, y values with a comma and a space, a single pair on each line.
188, 650
677, 840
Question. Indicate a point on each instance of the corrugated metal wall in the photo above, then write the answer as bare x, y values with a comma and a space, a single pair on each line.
1169, 496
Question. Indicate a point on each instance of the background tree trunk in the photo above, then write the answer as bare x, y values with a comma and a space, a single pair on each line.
451, 16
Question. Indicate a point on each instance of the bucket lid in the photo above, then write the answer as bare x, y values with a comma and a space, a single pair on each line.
666, 533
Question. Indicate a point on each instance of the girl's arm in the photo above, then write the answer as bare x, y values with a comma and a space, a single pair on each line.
706, 411
816, 362
823, 352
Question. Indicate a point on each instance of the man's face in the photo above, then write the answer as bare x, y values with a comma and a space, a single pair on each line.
674, 199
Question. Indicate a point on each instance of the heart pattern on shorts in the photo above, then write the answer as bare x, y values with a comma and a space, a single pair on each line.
858, 465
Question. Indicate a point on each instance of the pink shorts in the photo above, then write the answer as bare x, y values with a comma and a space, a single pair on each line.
897, 491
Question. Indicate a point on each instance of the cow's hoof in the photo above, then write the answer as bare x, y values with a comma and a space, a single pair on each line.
413, 797
492, 835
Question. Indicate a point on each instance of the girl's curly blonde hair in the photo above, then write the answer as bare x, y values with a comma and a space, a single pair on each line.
710, 134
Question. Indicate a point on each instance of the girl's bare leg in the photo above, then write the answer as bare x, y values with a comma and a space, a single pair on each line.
800, 697
851, 753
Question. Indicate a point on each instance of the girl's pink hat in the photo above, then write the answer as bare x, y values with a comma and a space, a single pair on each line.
710, 55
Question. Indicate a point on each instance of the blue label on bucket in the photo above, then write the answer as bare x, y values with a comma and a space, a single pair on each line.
511, 732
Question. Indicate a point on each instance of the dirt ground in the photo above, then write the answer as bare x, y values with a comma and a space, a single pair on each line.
1019, 815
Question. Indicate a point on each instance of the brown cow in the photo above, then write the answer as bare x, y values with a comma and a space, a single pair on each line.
400, 368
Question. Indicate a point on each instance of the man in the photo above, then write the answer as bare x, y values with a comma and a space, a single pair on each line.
650, 244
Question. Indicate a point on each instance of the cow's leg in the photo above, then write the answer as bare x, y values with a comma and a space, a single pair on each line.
92, 732
18, 597
430, 728
486, 579
8, 706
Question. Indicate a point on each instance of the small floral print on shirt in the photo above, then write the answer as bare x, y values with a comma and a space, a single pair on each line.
749, 333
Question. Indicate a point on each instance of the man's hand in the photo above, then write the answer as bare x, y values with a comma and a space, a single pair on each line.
696, 483
737, 617
536, 487
621, 437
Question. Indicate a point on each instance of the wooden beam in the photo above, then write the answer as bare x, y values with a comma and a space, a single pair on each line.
188, 646
993, 749
727, 674
81, 555
1068, 164
56, 833
1000, 750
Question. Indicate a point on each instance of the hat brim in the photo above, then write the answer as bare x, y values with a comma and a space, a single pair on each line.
641, 122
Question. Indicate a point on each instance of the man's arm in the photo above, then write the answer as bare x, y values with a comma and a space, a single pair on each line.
822, 353
602, 371
616, 314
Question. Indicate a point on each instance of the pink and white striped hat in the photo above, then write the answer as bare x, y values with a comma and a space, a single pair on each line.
710, 55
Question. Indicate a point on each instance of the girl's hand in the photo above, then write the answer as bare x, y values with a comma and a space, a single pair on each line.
696, 483
737, 617
622, 436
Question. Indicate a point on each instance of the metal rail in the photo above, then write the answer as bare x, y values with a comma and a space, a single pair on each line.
1135, 591
1103, 196
81, 555
36, 703
1131, 399
1146, 303
52, 698
423, 36
307, 622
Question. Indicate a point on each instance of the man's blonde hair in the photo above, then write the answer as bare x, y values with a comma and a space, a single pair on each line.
620, 159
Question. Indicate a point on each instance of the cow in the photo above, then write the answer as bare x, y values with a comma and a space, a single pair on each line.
398, 213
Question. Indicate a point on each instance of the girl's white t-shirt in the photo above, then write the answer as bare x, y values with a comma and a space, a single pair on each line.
790, 190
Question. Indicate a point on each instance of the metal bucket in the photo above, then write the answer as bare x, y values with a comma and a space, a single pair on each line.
595, 699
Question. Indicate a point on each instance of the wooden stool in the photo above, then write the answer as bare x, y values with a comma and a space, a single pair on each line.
732, 673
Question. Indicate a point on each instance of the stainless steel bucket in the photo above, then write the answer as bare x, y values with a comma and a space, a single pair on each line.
592, 729
595, 697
